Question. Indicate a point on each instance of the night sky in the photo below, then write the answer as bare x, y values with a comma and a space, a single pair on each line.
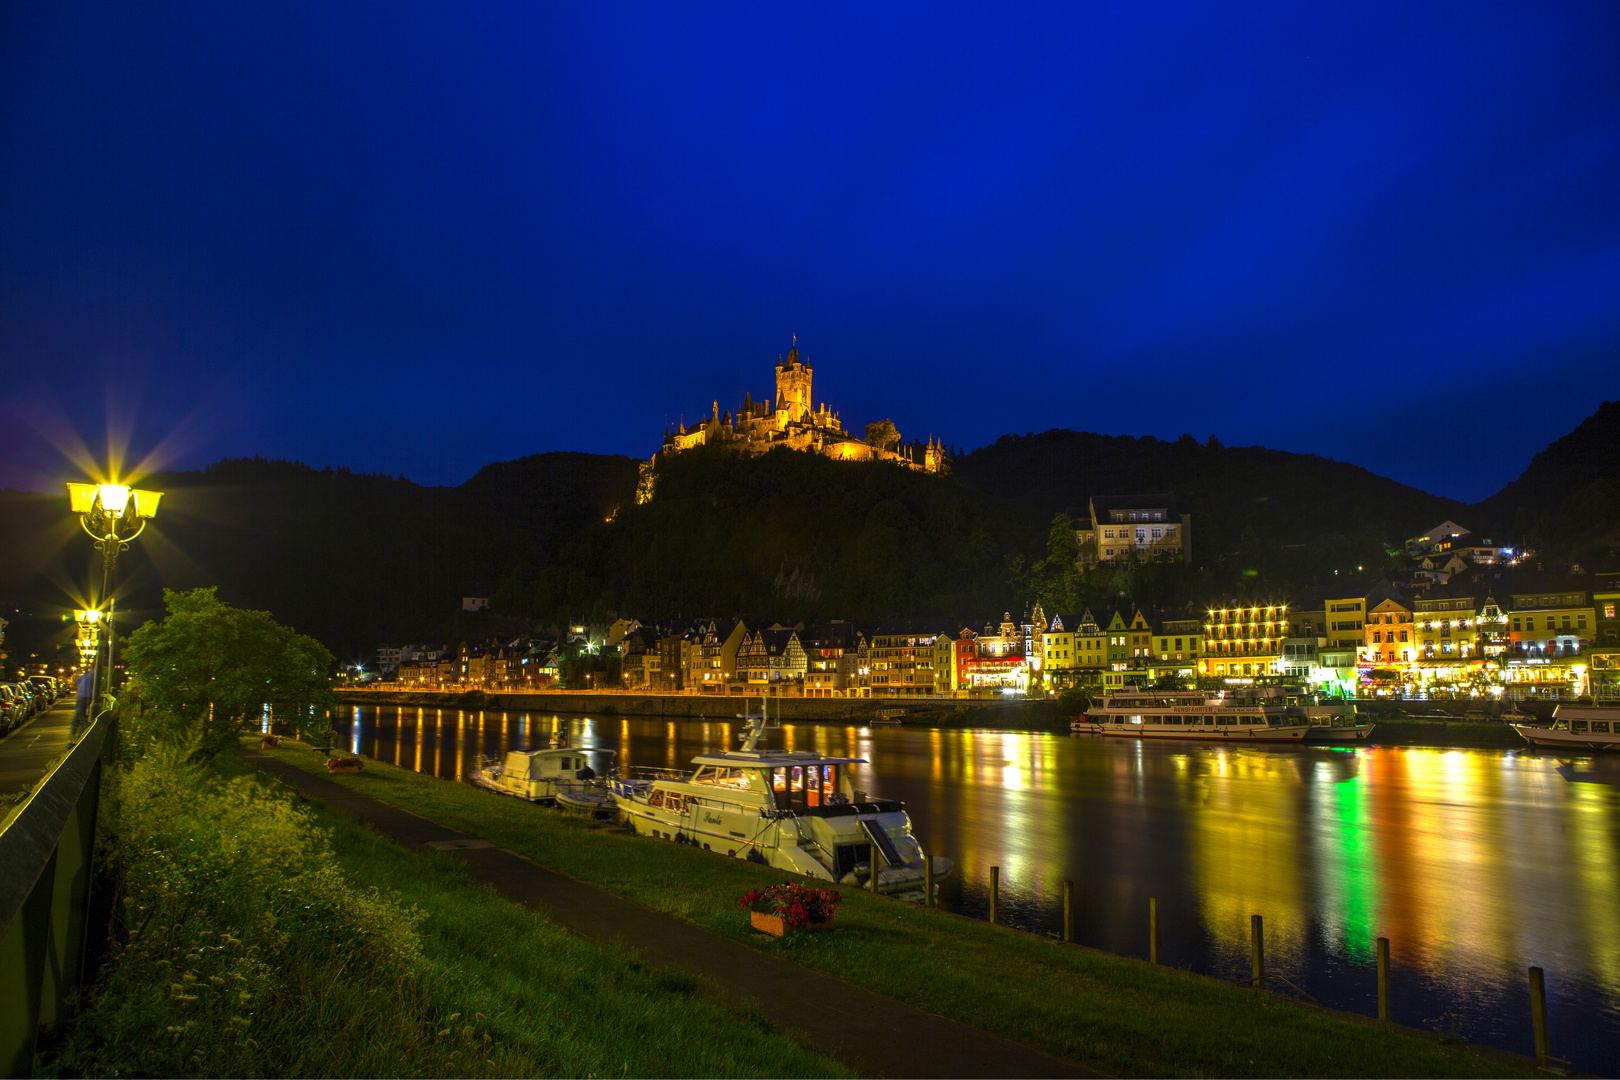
419, 238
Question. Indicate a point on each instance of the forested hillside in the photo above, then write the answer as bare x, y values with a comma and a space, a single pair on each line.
355, 559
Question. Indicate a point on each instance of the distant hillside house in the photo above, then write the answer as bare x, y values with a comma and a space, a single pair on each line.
1441, 538
1147, 528
474, 603
793, 420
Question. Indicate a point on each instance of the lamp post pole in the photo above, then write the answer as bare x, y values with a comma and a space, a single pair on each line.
112, 515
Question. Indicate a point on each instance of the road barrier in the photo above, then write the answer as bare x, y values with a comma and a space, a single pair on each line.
48, 852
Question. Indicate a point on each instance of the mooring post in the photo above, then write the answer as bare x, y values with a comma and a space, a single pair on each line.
1068, 911
1153, 929
1383, 978
872, 880
928, 881
1538, 1012
1257, 950
995, 895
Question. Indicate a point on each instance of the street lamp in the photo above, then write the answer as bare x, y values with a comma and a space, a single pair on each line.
89, 631
112, 515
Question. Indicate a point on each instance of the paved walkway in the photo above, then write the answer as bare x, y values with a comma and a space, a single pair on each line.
26, 753
871, 1034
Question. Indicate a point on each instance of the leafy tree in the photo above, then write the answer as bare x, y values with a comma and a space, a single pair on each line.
209, 670
883, 435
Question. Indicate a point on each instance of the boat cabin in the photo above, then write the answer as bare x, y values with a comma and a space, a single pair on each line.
799, 782
548, 764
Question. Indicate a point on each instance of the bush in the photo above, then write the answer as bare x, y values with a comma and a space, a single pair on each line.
242, 949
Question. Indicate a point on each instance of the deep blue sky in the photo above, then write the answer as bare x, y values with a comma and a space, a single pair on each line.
416, 239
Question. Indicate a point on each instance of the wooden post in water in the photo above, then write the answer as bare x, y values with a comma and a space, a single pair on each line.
1257, 950
995, 895
928, 881
1538, 1012
1068, 911
872, 881
1153, 929
1383, 978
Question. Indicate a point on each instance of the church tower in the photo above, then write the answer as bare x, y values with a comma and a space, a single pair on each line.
793, 387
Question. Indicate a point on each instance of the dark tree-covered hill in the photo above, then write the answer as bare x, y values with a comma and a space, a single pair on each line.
356, 559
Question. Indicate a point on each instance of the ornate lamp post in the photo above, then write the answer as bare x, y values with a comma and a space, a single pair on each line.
113, 515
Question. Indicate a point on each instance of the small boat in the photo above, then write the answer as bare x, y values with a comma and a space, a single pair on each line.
887, 716
540, 775
1332, 723
1587, 727
1188, 714
795, 810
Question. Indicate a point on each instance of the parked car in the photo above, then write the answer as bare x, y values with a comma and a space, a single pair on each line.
48, 686
24, 695
10, 709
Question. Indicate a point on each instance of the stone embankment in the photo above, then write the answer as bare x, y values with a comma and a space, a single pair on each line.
709, 706
1463, 724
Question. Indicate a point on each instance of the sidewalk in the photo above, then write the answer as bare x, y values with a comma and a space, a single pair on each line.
871, 1034
26, 753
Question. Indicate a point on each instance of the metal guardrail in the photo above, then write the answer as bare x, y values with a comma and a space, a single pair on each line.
47, 854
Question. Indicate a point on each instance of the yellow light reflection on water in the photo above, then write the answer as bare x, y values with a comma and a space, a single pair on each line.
1246, 851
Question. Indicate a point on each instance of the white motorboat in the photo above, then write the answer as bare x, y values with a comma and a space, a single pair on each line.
1576, 727
797, 811
543, 776
1188, 714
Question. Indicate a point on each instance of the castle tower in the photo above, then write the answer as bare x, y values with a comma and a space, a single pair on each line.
793, 386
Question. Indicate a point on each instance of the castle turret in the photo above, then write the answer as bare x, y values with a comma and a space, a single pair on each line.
793, 386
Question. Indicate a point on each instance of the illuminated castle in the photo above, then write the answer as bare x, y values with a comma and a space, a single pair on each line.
793, 421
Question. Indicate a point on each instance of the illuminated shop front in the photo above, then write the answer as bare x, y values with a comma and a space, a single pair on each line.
1549, 677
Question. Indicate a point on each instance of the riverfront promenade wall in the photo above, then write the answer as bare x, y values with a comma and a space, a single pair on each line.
711, 706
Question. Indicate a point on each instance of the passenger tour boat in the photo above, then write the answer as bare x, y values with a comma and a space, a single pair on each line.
1190, 714
797, 811
1576, 727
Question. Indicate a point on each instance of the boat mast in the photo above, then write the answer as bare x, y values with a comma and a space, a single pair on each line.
756, 725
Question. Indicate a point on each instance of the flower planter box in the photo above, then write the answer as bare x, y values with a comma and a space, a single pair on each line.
777, 926
268, 741
352, 764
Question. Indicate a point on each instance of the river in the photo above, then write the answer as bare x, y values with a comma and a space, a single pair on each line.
1475, 864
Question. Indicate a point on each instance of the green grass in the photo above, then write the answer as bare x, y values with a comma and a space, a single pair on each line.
492, 989
560, 1005
1117, 1015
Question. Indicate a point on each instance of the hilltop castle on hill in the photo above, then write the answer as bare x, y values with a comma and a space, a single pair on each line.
795, 422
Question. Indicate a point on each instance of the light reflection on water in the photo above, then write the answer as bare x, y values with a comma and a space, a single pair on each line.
1475, 864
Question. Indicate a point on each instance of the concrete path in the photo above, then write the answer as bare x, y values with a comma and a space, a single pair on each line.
27, 752
871, 1034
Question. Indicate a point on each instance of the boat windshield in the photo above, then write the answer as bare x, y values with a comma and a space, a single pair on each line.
799, 787
720, 777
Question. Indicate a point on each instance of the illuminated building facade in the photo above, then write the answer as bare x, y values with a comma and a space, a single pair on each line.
1141, 528
1074, 649
1445, 625
1389, 631
1244, 642
902, 658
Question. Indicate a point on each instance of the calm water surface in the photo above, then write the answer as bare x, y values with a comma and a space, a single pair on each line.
1475, 864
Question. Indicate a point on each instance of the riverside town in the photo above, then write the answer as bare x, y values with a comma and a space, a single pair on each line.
648, 540
1456, 617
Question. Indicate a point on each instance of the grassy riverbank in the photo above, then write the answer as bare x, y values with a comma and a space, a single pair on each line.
1121, 1016
317, 948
